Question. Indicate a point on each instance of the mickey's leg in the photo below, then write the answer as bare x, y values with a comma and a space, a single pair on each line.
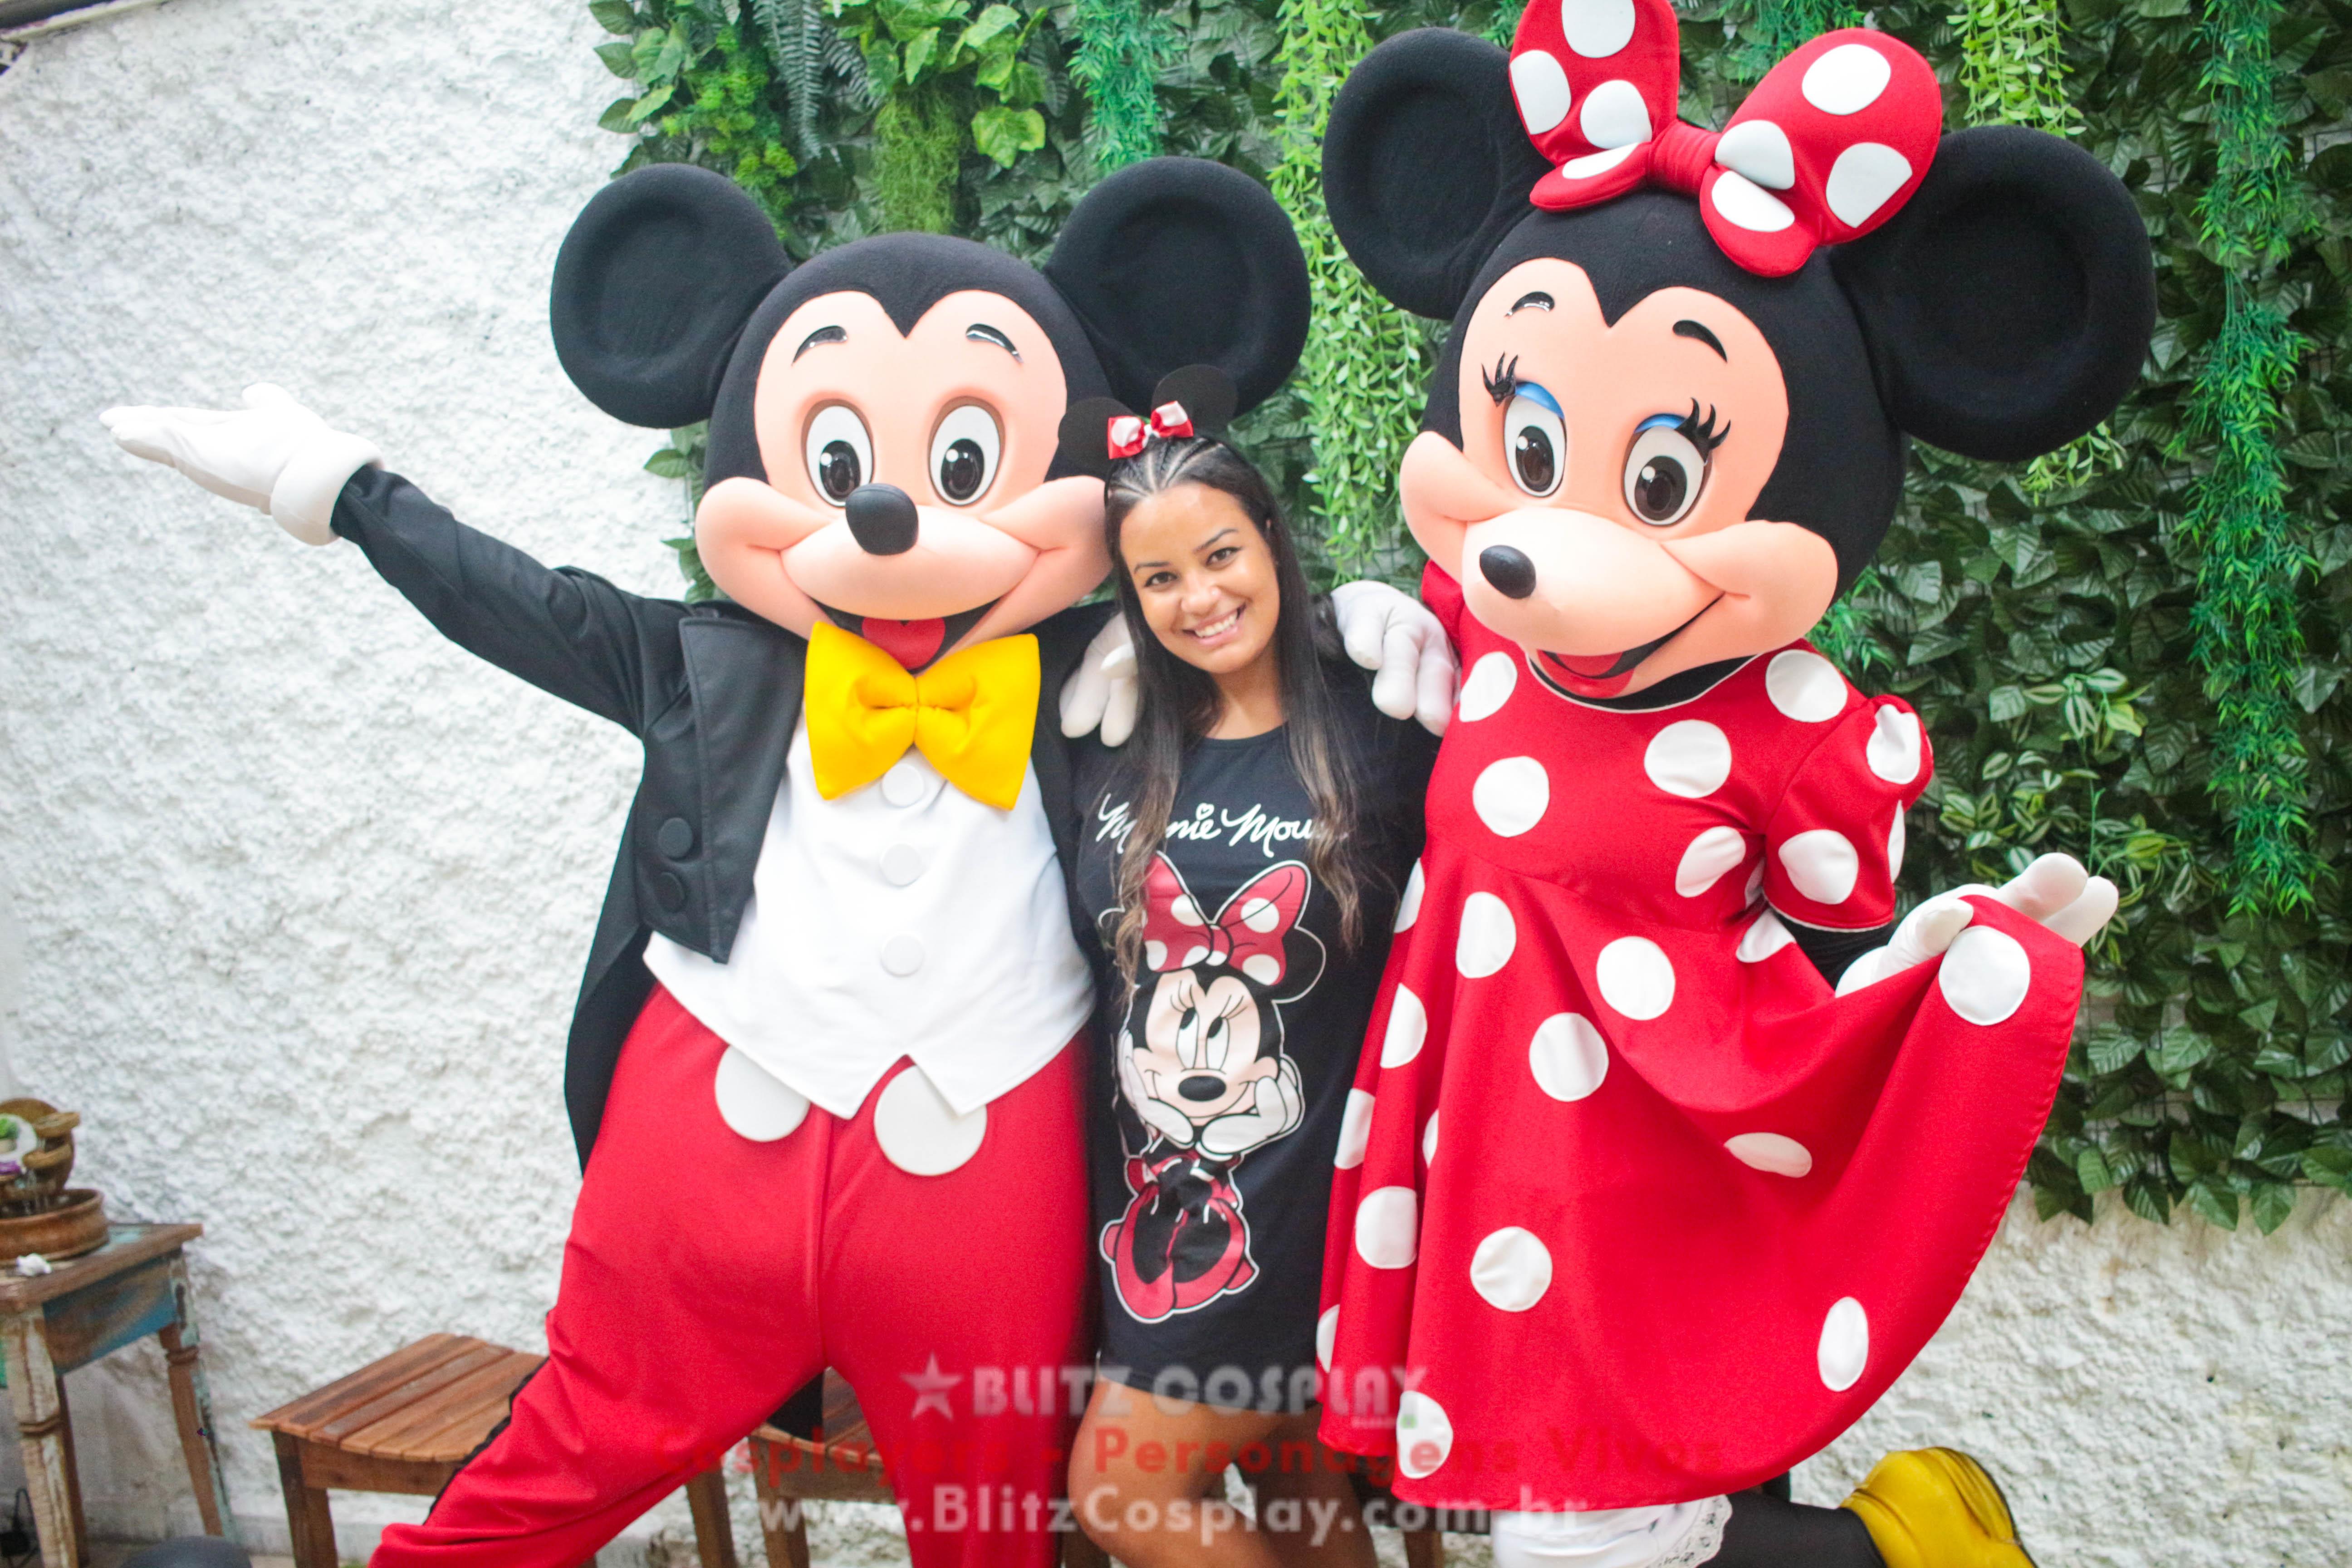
955, 1304
685, 1316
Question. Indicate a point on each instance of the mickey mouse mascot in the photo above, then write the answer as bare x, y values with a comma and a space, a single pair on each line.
1669, 1151
823, 1072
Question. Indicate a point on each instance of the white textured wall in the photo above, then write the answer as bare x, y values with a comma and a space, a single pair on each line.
304, 892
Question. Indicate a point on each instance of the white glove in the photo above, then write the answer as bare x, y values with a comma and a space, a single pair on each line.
273, 455
1395, 634
1101, 691
2054, 891
1277, 1105
1155, 1112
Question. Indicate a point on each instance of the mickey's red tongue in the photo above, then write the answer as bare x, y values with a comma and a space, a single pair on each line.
912, 643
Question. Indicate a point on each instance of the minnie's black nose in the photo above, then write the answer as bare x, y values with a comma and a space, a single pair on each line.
1511, 573
1202, 1086
881, 518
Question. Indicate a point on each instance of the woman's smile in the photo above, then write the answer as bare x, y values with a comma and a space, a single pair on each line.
1219, 632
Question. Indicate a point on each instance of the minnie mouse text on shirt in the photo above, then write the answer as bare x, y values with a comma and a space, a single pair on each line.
1115, 820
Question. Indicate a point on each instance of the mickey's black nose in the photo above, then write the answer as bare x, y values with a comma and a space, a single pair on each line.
1201, 1085
1511, 573
881, 518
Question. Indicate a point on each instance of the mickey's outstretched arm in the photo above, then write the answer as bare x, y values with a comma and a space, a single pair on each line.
567, 632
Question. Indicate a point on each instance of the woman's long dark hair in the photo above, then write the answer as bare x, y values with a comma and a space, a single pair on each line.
1180, 702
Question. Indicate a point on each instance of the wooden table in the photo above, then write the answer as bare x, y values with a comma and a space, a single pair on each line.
136, 1285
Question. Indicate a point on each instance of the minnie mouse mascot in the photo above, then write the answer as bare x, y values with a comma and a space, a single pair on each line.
830, 1014
1720, 1144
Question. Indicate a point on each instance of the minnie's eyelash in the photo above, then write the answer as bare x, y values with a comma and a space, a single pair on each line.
1702, 433
1503, 381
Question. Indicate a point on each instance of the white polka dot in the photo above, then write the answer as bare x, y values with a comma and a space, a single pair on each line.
1568, 1056
1327, 1334
754, 1102
919, 1132
1636, 977
1511, 795
1155, 956
1894, 750
1762, 939
1864, 176
1847, 79
1487, 936
1424, 1434
1615, 116
1845, 1345
1387, 1227
1895, 842
1408, 1027
1597, 28
1712, 853
1823, 864
1261, 915
1690, 759
1355, 1130
1184, 911
1541, 87
1409, 904
1594, 164
1985, 975
1492, 681
1429, 1140
1867, 970
1773, 1153
1196, 953
1759, 150
1511, 1269
1804, 686
1749, 205
1263, 967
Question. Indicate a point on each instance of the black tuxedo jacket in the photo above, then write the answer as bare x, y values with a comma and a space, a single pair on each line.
712, 690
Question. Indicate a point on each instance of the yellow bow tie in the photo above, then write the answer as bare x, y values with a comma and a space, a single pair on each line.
972, 714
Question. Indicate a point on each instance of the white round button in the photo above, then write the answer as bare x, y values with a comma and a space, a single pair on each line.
903, 954
903, 785
920, 1131
901, 864
754, 1102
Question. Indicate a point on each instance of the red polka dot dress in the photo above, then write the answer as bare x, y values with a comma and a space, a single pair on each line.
1629, 1208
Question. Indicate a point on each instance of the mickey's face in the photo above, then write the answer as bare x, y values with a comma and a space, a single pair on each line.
1199, 1054
1596, 510
905, 496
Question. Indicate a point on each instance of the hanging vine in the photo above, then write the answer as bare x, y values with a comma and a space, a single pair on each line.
1117, 64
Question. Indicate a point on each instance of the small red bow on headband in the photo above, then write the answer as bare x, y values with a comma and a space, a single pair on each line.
1831, 144
1247, 932
1129, 431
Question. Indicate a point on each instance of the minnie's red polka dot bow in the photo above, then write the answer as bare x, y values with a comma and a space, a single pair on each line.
1129, 431
1246, 935
1831, 144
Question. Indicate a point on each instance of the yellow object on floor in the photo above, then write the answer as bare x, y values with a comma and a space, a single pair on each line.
1937, 1507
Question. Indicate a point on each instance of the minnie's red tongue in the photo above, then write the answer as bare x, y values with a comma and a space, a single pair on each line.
912, 643
1591, 666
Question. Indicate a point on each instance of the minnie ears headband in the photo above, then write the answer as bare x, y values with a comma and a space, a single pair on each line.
1831, 144
1100, 431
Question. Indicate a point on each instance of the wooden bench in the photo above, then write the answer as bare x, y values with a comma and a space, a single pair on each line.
405, 1423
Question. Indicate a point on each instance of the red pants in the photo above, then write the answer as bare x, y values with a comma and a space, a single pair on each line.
707, 1277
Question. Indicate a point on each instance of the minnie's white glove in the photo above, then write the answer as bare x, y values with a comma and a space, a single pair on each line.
1277, 1105
1101, 691
273, 455
2054, 891
1394, 634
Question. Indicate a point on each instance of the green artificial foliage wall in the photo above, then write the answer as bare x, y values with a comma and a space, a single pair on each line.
2135, 650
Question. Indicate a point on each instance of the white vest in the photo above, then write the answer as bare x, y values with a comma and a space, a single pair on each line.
904, 919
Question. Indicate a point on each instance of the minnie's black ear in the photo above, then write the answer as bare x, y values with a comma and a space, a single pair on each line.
1427, 166
1180, 261
653, 286
2008, 305
1207, 393
1086, 436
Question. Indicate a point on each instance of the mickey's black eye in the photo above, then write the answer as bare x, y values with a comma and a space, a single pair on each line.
840, 452
1535, 440
964, 450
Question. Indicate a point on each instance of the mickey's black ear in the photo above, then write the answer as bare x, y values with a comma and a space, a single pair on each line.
1427, 166
2008, 305
1086, 435
1179, 261
651, 287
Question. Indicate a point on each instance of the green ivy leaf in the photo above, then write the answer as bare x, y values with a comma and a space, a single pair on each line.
919, 52
1003, 133
616, 115
651, 104
2272, 1203
619, 58
670, 463
613, 17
